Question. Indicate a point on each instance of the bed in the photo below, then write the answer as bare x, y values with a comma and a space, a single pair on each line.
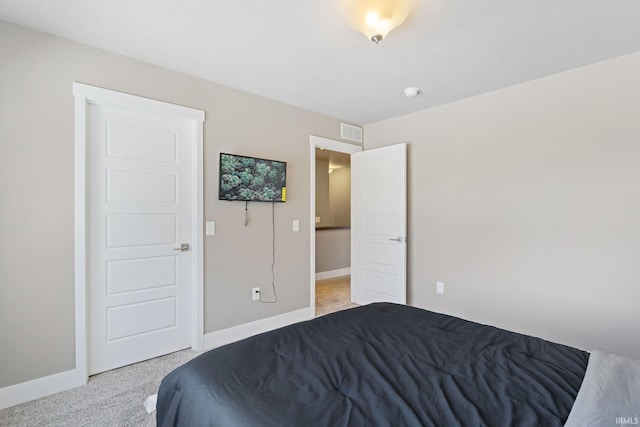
380, 364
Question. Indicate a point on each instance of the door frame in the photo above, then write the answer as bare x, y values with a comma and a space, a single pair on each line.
86, 95
333, 145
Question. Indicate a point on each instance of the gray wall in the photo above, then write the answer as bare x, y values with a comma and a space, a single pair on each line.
333, 249
333, 195
323, 205
333, 206
340, 197
525, 202
36, 183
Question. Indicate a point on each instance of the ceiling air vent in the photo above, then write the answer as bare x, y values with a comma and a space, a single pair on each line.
350, 132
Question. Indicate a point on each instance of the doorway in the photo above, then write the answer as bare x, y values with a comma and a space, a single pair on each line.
331, 233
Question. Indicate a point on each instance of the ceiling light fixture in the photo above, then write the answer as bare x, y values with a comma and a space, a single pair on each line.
376, 18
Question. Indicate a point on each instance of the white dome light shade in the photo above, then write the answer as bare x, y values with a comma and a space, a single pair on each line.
376, 18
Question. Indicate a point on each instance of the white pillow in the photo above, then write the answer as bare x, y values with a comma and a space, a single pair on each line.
609, 394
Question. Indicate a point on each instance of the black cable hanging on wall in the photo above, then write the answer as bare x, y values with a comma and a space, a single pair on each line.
273, 249
273, 256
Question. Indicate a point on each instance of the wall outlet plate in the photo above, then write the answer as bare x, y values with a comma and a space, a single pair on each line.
255, 294
440, 287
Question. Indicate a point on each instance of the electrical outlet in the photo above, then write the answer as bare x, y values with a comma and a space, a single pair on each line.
255, 294
440, 287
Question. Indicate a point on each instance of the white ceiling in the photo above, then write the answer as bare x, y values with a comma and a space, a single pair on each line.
302, 52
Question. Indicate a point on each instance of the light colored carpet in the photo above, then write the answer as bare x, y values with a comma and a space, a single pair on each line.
333, 295
113, 398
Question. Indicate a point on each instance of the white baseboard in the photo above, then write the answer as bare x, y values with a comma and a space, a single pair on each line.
333, 273
237, 333
40, 387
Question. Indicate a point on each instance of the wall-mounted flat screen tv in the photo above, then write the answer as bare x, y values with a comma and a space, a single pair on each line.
250, 179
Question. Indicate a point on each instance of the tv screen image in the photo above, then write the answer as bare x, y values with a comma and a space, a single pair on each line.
252, 179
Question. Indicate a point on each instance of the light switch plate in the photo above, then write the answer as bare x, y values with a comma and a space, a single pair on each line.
296, 225
211, 228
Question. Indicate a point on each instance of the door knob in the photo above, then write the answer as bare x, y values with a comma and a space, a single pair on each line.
183, 247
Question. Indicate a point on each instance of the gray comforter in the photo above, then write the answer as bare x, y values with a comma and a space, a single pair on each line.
377, 365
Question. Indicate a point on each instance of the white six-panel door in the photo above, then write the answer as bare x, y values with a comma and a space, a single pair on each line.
379, 225
138, 213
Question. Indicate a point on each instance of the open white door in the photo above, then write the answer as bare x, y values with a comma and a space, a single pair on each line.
379, 225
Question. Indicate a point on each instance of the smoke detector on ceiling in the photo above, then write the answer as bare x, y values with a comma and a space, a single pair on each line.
411, 92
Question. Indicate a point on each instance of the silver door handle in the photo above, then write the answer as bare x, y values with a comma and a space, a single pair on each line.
183, 247
399, 239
